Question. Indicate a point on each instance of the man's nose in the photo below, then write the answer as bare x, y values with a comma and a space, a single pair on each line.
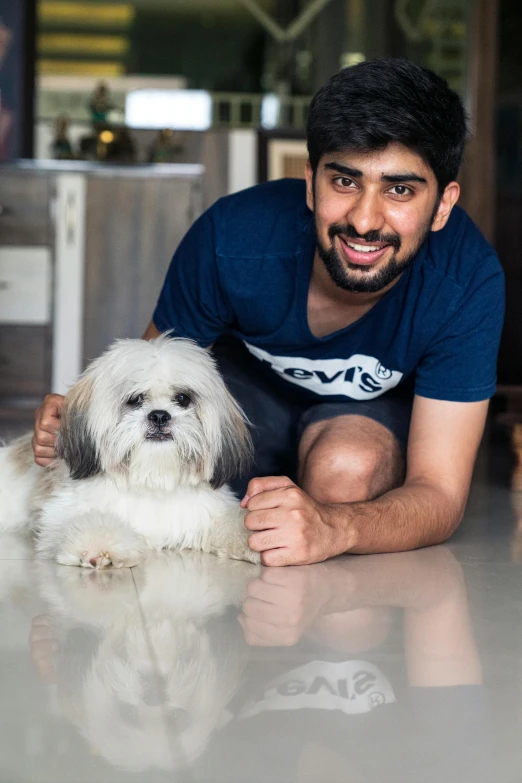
366, 214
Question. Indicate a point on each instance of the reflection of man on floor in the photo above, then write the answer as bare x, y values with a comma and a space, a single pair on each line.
350, 304
384, 683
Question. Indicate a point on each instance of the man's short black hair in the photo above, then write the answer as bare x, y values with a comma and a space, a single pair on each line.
380, 102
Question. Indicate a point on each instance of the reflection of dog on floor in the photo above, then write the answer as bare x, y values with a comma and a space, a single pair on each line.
149, 436
148, 685
15, 573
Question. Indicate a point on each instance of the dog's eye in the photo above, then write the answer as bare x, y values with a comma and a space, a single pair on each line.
183, 400
136, 401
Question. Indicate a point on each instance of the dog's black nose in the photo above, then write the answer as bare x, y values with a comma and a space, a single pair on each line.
159, 418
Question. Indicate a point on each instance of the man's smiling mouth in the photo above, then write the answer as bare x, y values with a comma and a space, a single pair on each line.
364, 248
362, 254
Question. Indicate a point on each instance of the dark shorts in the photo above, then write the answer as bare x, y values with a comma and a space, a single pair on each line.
279, 416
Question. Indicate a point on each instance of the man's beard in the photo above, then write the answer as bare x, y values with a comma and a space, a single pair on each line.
365, 282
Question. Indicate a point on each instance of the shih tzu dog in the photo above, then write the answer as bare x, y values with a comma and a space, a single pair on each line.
149, 436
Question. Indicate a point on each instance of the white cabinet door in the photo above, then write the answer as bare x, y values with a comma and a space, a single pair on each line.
25, 285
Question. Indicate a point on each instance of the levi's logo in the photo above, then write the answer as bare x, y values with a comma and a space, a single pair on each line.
360, 377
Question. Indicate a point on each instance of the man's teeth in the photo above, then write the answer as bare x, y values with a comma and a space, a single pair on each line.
363, 248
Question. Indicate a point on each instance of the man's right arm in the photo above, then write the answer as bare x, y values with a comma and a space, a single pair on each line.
47, 419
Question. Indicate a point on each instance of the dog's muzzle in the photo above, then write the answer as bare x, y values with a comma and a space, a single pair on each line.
159, 419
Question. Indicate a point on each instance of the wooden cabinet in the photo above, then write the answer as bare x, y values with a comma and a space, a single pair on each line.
25, 200
25, 362
83, 252
132, 229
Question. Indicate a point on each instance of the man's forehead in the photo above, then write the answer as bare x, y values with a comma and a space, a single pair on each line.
391, 160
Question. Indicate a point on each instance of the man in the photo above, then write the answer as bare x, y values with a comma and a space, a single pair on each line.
352, 304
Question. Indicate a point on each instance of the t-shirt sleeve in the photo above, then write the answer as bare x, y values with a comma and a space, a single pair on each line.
192, 301
460, 365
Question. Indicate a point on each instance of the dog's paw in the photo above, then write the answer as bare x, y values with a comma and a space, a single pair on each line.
251, 557
94, 541
240, 553
92, 559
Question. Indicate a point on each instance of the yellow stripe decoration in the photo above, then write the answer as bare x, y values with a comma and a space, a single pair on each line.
99, 14
76, 68
71, 43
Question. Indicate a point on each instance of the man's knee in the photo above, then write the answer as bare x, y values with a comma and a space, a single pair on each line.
341, 472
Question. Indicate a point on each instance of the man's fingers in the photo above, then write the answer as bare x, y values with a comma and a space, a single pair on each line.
288, 495
48, 415
265, 484
265, 539
46, 426
44, 463
259, 520
43, 455
276, 558
44, 440
45, 449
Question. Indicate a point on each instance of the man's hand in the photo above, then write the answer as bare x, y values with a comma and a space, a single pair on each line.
289, 527
46, 426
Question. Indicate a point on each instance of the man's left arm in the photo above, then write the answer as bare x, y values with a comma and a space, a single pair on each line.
290, 528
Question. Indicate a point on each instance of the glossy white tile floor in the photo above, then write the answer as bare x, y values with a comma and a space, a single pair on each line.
400, 667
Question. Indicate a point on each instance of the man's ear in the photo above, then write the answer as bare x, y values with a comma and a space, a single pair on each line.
447, 202
309, 186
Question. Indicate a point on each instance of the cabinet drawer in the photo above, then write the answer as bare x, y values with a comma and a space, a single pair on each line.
25, 360
24, 208
25, 285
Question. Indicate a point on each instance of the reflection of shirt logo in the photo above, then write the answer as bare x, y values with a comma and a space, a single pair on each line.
376, 699
358, 377
353, 687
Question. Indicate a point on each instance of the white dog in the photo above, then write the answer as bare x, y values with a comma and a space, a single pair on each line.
149, 435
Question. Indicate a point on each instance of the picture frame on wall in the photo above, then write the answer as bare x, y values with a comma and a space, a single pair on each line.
281, 154
17, 68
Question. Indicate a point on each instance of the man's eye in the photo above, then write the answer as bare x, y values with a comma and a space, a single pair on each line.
136, 400
401, 190
344, 182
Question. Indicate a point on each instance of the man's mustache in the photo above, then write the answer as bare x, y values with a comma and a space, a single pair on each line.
371, 236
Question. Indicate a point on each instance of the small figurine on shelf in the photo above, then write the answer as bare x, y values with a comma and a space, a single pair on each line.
166, 147
100, 105
61, 146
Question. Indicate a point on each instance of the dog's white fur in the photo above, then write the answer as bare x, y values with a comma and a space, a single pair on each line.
126, 485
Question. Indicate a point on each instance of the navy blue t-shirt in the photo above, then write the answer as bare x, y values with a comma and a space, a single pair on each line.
244, 268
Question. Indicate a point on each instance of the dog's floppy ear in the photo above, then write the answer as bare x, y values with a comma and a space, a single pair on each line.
75, 443
233, 450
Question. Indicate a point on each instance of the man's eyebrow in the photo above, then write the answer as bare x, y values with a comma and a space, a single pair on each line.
343, 169
408, 176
